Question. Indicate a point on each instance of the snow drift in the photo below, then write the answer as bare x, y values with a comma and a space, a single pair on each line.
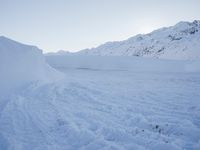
21, 64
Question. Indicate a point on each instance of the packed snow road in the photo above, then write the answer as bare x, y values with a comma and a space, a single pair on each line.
106, 110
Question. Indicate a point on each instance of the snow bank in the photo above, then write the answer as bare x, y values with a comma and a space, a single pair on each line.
120, 63
21, 64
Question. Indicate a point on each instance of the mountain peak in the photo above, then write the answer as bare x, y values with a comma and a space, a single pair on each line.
195, 23
181, 41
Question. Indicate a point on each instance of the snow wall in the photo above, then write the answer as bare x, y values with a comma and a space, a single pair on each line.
21, 64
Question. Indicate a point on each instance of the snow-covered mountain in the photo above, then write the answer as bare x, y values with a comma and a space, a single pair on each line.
60, 52
181, 41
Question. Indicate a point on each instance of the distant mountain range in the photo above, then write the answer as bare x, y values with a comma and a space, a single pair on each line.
181, 41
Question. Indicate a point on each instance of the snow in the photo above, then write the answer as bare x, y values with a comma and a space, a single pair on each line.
105, 109
193, 66
104, 103
70, 102
178, 42
125, 63
21, 64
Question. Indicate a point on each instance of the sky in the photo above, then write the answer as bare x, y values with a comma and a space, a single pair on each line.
73, 25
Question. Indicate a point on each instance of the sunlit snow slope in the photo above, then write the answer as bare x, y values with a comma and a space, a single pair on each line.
181, 41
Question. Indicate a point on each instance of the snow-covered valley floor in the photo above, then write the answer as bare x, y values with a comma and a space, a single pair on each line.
106, 110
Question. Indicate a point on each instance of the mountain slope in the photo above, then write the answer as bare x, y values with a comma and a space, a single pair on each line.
181, 41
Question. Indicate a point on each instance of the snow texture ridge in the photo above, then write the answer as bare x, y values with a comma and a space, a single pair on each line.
105, 110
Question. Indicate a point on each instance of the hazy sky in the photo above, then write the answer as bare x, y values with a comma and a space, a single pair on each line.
77, 24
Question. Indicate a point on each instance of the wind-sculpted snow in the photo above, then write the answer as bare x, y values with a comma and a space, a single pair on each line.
105, 109
21, 64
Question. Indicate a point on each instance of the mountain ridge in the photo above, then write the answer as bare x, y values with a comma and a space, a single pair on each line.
181, 41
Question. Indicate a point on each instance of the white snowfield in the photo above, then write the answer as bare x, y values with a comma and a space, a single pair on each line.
101, 103
181, 41
123, 63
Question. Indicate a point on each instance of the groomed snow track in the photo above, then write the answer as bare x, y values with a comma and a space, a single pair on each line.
102, 109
